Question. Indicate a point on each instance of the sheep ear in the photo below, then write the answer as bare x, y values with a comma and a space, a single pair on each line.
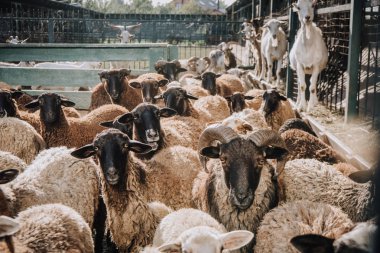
126, 118
228, 98
138, 147
8, 226
167, 112
163, 82
197, 77
108, 124
102, 74
158, 96
282, 97
170, 248
295, 7
181, 70
16, 94
67, 103
8, 175
236, 239
362, 176
210, 152
272, 152
34, 104
84, 152
124, 72
312, 243
189, 96
248, 97
135, 84
218, 75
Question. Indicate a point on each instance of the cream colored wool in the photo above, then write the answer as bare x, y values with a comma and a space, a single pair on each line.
20, 138
277, 118
238, 121
55, 177
282, 223
309, 179
227, 84
255, 103
9, 161
196, 90
212, 108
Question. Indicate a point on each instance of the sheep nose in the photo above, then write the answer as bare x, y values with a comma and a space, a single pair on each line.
307, 17
151, 133
241, 196
111, 171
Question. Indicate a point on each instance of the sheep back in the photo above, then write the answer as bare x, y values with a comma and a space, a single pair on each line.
212, 108
255, 103
227, 84
9, 161
277, 118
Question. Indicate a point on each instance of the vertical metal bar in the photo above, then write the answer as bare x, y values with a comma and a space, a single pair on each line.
51, 30
353, 60
292, 34
271, 8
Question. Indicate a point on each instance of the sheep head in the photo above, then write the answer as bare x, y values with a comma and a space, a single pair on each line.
7, 104
126, 128
113, 81
242, 159
177, 99
150, 88
236, 101
50, 105
271, 100
146, 120
111, 147
209, 81
169, 69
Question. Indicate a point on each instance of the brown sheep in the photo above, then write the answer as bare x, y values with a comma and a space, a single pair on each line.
150, 85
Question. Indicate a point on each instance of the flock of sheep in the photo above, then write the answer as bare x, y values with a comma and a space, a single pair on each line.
187, 160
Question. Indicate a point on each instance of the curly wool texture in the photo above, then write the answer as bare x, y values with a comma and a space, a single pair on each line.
174, 224
277, 118
20, 138
170, 176
227, 84
281, 224
53, 228
56, 177
130, 220
129, 98
212, 108
9, 161
255, 103
304, 145
74, 132
238, 120
309, 179
211, 195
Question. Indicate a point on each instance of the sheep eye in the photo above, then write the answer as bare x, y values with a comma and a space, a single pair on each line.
136, 116
96, 148
261, 162
158, 113
125, 145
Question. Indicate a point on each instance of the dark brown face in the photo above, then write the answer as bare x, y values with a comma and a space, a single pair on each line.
149, 88
169, 70
177, 99
114, 82
271, 100
7, 104
209, 82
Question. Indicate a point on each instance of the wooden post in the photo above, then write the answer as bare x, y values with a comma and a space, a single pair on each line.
352, 109
293, 23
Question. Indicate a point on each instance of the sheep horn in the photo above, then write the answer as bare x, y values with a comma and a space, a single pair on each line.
267, 137
215, 132
159, 64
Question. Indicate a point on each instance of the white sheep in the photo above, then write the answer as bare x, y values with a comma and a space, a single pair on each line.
308, 54
47, 228
273, 48
309, 179
191, 230
9, 161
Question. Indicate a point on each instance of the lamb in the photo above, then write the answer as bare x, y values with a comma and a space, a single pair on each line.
46, 228
114, 89
308, 54
238, 188
150, 85
122, 177
59, 130
169, 70
20, 138
7, 160
276, 109
309, 179
296, 218
191, 230
273, 48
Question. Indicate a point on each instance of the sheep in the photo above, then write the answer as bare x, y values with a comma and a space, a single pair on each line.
223, 85
238, 188
123, 127
46, 228
309, 179
245, 121
8, 160
247, 78
296, 218
211, 108
308, 54
122, 177
150, 85
59, 130
114, 89
273, 48
236, 102
170, 70
69, 65
195, 65
276, 109
191, 230
20, 138
296, 123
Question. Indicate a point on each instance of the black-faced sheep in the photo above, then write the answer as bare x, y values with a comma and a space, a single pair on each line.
238, 188
297, 218
223, 85
114, 89
236, 101
46, 228
150, 85
170, 70
59, 130
309, 179
191, 230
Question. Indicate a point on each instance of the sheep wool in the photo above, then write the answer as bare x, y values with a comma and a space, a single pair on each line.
9, 161
212, 108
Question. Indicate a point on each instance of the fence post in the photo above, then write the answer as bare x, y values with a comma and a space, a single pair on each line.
50, 30
353, 69
293, 22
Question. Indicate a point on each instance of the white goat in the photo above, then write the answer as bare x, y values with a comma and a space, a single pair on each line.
273, 48
309, 53
216, 60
